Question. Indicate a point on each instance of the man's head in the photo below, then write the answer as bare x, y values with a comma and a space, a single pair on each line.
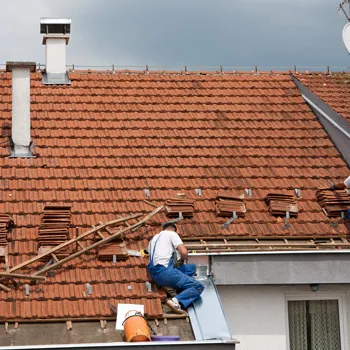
169, 227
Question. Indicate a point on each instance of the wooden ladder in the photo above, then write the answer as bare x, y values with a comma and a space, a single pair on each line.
9, 273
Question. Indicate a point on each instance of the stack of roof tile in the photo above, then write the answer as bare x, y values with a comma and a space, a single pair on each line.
54, 230
226, 203
333, 203
5, 223
280, 203
176, 205
107, 251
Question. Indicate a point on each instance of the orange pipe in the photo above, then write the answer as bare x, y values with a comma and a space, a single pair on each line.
136, 329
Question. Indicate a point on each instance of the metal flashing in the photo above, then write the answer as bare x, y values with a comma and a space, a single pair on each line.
207, 315
198, 192
277, 252
227, 224
297, 192
335, 125
27, 154
55, 79
249, 192
173, 221
335, 224
286, 224
21, 151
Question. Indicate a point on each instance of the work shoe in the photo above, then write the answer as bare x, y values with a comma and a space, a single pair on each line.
175, 306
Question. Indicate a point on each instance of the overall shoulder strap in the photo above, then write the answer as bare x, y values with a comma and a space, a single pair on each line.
153, 248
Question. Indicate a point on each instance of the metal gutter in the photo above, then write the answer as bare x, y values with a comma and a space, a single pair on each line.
200, 345
279, 252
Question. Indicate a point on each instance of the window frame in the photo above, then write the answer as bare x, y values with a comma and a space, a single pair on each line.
319, 295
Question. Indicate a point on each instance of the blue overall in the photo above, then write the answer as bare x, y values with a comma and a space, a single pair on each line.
180, 278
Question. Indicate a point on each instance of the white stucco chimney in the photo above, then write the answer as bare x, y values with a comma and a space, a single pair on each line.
21, 141
56, 37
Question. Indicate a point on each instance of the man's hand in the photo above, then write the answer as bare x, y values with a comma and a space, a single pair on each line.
183, 261
183, 252
338, 186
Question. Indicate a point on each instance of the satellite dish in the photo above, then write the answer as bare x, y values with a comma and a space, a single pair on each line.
346, 36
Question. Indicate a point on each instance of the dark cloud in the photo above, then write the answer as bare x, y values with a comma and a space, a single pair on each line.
270, 33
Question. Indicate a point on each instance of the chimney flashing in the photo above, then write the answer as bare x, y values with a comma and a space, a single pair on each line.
55, 79
22, 151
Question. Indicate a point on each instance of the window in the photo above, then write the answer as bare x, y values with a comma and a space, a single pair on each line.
314, 325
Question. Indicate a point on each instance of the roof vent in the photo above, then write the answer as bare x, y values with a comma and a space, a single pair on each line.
56, 36
21, 140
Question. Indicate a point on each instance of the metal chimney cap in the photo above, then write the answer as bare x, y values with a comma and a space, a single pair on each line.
55, 25
55, 20
20, 64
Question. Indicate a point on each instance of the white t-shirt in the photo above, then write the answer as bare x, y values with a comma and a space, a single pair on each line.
168, 241
347, 182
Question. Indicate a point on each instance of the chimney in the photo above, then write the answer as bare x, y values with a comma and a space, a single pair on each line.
56, 36
21, 142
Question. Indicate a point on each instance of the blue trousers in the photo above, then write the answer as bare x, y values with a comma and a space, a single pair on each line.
179, 278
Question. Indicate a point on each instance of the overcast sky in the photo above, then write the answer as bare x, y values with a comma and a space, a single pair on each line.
269, 33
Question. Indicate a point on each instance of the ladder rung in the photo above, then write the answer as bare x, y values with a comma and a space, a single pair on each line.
101, 235
54, 257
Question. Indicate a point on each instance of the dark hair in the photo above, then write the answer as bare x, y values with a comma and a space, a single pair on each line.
169, 224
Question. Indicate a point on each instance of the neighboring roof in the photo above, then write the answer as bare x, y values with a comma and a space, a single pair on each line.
102, 141
333, 89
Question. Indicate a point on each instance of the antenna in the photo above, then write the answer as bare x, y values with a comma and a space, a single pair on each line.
344, 12
346, 36
344, 9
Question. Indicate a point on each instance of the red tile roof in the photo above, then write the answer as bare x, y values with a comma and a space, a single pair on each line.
103, 140
333, 89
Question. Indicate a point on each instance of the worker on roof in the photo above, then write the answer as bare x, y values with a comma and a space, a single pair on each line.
341, 185
164, 272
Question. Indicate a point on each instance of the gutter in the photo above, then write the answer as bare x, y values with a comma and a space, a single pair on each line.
174, 345
278, 252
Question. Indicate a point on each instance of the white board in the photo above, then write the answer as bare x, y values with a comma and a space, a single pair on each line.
346, 36
123, 309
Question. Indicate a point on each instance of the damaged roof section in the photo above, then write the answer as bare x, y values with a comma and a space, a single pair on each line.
103, 140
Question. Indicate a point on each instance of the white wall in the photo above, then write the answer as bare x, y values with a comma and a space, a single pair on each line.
56, 55
258, 318
21, 109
